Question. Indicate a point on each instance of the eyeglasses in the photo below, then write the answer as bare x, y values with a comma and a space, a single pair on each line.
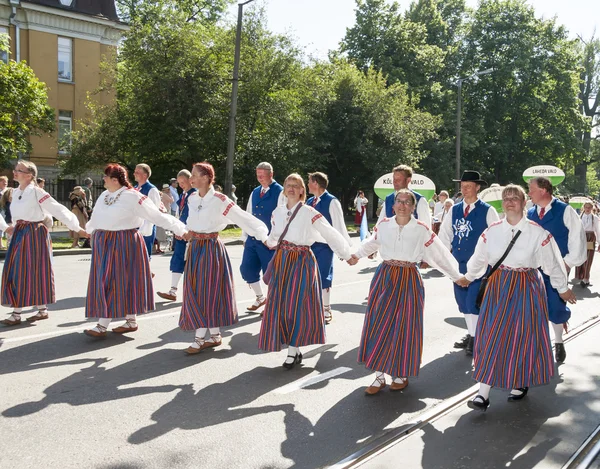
293, 186
404, 202
21, 171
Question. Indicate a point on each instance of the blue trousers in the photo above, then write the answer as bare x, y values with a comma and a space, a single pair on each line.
149, 240
177, 264
467, 297
325, 257
256, 257
558, 311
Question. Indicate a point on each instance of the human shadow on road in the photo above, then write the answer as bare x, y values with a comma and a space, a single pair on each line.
67, 303
456, 322
344, 308
431, 273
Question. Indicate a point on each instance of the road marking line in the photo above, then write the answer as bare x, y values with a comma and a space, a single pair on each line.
310, 380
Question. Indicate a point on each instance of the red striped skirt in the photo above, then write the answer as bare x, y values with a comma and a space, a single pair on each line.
583, 271
392, 335
208, 293
120, 278
293, 314
512, 344
27, 278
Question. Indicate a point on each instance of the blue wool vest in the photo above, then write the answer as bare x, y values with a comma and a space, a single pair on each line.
323, 206
183, 205
467, 231
145, 189
262, 207
553, 222
389, 204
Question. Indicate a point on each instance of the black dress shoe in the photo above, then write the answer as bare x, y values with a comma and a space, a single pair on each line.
463, 342
518, 397
469, 347
559, 352
479, 403
297, 361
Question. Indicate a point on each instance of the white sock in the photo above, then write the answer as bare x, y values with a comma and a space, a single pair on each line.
516, 392
291, 354
131, 318
104, 322
41, 307
474, 320
399, 380
175, 278
257, 288
326, 297
201, 333
17, 310
379, 379
470, 327
214, 330
558, 333
484, 390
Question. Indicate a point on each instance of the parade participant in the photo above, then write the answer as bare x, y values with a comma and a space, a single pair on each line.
141, 175
513, 350
438, 217
329, 206
439, 205
177, 264
261, 203
591, 225
120, 284
28, 278
561, 220
294, 310
3, 184
392, 336
208, 294
360, 204
402, 176
459, 233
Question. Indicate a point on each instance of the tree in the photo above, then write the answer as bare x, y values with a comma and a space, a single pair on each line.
24, 109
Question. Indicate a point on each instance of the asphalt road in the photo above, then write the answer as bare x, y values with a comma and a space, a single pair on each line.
139, 401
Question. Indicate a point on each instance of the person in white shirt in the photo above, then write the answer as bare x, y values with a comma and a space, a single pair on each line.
175, 195
360, 204
439, 205
331, 208
120, 284
141, 174
563, 223
294, 311
591, 225
208, 293
392, 337
444, 211
3, 184
28, 278
512, 346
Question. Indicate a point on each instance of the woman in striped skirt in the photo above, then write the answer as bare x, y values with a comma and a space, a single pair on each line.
28, 279
591, 225
120, 284
392, 337
208, 294
293, 314
512, 345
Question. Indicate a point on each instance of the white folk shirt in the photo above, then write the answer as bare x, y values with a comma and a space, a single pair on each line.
576, 243
337, 218
591, 223
423, 212
33, 204
535, 248
154, 196
412, 242
128, 212
447, 230
308, 227
213, 212
281, 200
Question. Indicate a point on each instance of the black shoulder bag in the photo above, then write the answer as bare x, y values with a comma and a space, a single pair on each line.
484, 280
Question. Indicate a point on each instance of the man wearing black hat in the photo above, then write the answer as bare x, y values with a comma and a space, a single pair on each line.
460, 233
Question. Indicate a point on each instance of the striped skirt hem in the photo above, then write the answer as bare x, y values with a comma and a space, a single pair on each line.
583, 271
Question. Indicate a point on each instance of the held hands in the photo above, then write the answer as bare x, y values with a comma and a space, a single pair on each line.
9, 230
353, 260
569, 296
269, 247
187, 235
462, 282
84, 234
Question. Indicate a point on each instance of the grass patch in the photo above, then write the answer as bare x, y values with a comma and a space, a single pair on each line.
231, 233
62, 243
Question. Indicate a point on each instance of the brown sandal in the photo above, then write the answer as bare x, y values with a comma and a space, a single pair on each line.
39, 316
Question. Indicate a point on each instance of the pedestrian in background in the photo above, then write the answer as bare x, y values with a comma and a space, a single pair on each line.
591, 225
79, 208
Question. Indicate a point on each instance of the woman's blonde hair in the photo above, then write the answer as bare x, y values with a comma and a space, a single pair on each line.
514, 189
295, 177
31, 167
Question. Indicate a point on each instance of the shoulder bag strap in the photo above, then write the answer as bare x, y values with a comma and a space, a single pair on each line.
501, 260
285, 230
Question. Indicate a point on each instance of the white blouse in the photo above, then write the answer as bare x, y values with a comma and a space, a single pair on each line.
33, 204
591, 223
308, 227
213, 212
410, 243
337, 218
535, 248
129, 210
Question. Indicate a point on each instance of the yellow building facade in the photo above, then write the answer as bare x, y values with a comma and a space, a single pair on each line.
68, 44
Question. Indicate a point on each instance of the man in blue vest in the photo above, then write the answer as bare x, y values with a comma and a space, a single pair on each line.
460, 233
142, 175
330, 207
565, 226
401, 180
177, 264
263, 200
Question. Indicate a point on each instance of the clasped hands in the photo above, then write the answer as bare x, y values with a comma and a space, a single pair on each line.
463, 282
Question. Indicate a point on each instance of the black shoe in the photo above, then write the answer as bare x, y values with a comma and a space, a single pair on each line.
297, 361
463, 342
583, 284
469, 347
479, 403
518, 397
559, 352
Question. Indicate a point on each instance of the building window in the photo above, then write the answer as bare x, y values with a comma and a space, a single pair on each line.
3, 36
65, 126
65, 59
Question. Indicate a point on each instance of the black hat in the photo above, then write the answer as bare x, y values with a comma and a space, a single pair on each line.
471, 176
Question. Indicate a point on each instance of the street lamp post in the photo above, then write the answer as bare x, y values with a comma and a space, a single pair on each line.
234, 94
459, 115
